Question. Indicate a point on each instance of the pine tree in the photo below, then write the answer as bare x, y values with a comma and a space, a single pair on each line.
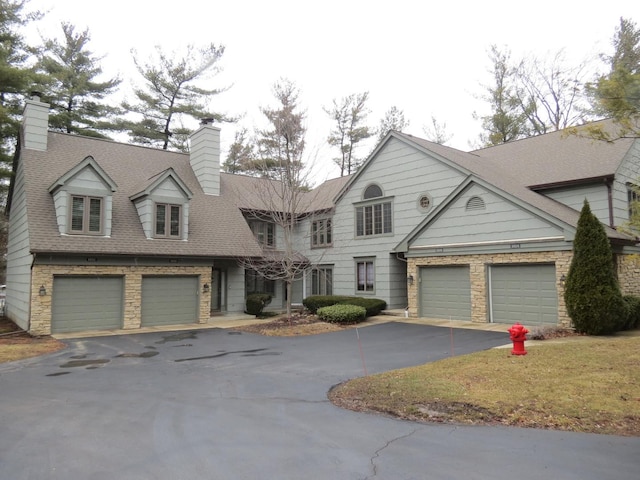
592, 294
171, 95
74, 93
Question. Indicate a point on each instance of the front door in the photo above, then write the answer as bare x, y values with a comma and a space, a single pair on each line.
218, 290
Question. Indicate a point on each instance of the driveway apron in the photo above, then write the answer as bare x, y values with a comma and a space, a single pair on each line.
219, 404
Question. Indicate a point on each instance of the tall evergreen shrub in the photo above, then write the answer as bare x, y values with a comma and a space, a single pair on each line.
592, 294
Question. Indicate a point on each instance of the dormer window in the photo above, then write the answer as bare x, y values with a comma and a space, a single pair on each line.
265, 233
86, 215
163, 206
83, 200
168, 220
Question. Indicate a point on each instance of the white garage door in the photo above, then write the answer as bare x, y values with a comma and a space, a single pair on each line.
523, 293
445, 292
85, 303
169, 300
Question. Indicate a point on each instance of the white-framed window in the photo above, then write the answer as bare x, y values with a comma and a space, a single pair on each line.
87, 216
322, 280
265, 233
374, 215
365, 275
321, 233
168, 220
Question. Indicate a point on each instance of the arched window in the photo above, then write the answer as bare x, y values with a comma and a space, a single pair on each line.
372, 191
374, 214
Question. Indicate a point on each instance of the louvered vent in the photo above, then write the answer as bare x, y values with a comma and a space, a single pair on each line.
475, 203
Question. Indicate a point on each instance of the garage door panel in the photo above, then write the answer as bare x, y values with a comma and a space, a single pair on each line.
86, 303
445, 292
524, 293
170, 300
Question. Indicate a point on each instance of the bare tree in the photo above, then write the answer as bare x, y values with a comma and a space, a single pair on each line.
551, 93
349, 115
280, 192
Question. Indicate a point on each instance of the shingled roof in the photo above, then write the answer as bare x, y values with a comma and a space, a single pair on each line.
216, 226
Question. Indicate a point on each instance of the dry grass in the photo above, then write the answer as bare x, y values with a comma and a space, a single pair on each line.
297, 325
588, 385
17, 345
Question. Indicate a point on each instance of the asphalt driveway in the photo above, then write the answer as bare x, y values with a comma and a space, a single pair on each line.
217, 404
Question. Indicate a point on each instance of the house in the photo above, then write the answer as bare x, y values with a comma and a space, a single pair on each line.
107, 235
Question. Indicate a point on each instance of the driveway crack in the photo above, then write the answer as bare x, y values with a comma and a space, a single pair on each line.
377, 453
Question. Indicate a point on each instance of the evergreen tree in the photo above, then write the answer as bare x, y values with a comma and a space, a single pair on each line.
393, 120
241, 157
592, 294
349, 115
16, 78
617, 94
171, 95
507, 121
75, 95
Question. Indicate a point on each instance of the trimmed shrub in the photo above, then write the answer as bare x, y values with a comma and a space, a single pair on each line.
256, 303
343, 314
314, 302
592, 294
634, 311
373, 306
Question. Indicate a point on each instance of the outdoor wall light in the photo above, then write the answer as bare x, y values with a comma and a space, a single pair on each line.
43, 291
205, 288
562, 279
410, 279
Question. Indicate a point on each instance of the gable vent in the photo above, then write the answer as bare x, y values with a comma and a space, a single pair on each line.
475, 203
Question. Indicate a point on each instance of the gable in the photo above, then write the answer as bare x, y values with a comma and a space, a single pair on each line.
477, 216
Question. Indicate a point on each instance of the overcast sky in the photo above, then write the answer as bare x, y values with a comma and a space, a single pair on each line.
426, 58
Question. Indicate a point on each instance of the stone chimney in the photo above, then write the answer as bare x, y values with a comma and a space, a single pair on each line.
35, 123
205, 156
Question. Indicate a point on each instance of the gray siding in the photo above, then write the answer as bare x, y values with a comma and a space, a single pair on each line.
404, 173
628, 172
235, 286
19, 258
597, 196
500, 220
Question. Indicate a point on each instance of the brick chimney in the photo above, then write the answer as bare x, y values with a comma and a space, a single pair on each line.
35, 123
205, 156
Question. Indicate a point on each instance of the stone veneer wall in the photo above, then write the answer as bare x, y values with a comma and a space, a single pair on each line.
42, 275
629, 274
478, 271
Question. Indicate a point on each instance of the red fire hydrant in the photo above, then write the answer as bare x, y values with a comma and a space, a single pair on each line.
518, 335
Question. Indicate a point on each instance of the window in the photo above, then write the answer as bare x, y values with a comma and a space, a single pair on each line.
373, 219
372, 191
424, 202
633, 200
264, 233
255, 283
86, 215
322, 281
365, 276
321, 234
168, 219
